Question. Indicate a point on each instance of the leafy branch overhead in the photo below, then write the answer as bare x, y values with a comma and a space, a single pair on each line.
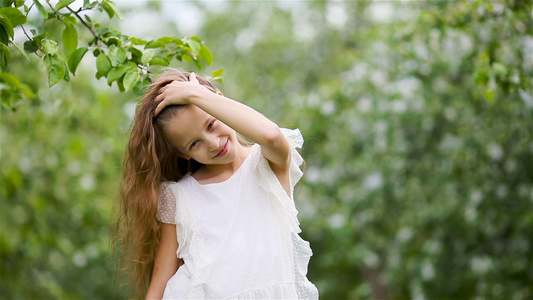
123, 59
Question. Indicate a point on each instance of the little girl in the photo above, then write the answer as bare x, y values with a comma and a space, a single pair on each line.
204, 215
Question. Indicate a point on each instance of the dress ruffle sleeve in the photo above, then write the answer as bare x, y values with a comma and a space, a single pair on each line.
166, 208
192, 247
269, 182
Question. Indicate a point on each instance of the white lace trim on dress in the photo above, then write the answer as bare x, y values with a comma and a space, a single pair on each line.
269, 182
192, 246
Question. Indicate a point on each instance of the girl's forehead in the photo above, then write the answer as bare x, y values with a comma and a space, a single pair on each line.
186, 124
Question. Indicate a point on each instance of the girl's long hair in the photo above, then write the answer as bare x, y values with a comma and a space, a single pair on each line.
149, 161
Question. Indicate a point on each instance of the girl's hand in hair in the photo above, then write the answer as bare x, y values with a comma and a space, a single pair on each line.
178, 93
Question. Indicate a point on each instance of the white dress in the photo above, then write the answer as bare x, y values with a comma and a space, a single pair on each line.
239, 238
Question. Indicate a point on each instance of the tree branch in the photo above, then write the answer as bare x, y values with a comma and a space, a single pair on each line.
91, 29
55, 12
25, 33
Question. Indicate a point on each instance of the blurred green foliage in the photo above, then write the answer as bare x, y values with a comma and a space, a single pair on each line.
417, 118
123, 59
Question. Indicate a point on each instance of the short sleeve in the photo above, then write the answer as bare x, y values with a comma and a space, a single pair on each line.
166, 210
296, 140
268, 181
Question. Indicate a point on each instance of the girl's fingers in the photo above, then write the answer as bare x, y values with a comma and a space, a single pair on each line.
163, 101
159, 98
192, 78
158, 108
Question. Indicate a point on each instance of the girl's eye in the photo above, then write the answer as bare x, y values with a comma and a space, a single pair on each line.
194, 144
211, 124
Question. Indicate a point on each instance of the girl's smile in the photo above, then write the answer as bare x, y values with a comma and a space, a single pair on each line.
224, 150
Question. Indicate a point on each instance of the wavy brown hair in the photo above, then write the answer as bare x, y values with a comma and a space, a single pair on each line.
149, 161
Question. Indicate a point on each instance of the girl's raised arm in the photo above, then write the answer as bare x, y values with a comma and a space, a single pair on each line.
242, 118
166, 262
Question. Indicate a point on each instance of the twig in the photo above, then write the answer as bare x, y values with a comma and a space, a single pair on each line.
55, 12
24, 30
91, 29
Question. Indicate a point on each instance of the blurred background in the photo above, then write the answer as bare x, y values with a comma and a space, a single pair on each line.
417, 119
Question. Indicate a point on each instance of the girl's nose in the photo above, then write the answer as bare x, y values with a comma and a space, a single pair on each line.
213, 143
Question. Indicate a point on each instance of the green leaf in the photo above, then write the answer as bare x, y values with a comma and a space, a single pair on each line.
120, 85
160, 61
113, 41
70, 19
67, 73
21, 51
117, 12
111, 10
4, 21
480, 76
30, 46
118, 72
10, 80
154, 44
4, 38
170, 40
217, 73
70, 39
186, 57
489, 95
197, 38
103, 64
87, 4
206, 54
137, 41
39, 38
130, 79
5, 56
107, 9
122, 55
147, 56
49, 46
14, 15
140, 88
499, 69
135, 50
62, 3
55, 67
112, 54
75, 58
117, 55
194, 45
198, 64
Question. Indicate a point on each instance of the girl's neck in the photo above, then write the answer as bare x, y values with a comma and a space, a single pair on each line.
218, 173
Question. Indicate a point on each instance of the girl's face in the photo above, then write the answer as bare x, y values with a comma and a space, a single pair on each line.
198, 135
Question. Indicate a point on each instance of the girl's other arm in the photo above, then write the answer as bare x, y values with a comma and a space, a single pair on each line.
166, 262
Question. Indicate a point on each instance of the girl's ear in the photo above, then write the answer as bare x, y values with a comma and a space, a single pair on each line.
185, 156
